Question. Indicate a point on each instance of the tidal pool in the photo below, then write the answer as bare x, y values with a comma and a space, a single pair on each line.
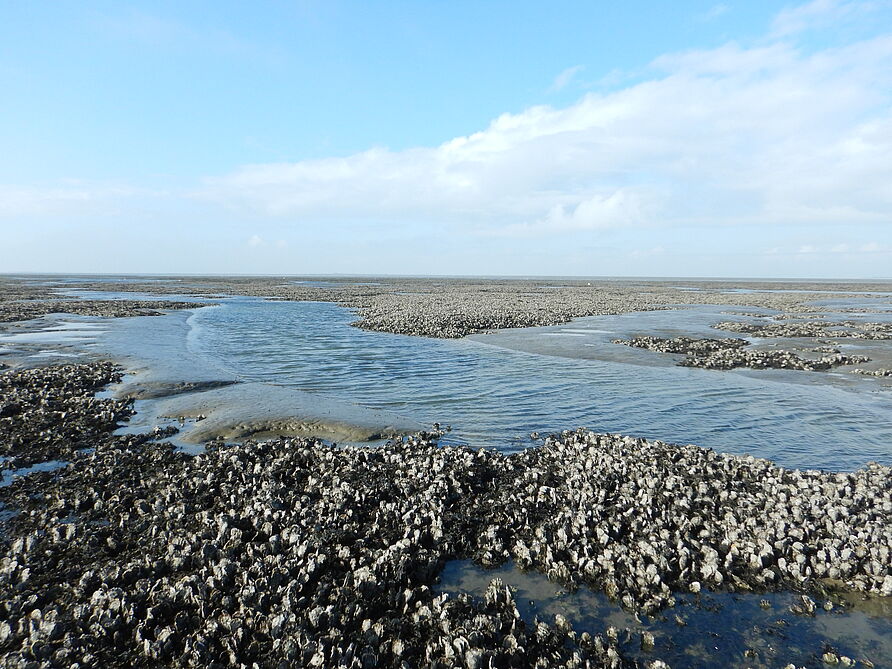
703, 631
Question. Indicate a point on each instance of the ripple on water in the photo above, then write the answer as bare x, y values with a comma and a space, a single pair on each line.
493, 396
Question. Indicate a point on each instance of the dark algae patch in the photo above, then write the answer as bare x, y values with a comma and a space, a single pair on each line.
295, 552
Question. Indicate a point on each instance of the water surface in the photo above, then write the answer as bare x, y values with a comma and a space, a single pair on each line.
496, 397
562, 377
711, 629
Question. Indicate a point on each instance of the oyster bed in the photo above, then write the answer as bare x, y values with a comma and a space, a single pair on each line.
455, 307
837, 329
18, 310
300, 552
50, 413
731, 354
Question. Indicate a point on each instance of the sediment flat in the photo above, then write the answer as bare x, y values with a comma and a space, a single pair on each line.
245, 410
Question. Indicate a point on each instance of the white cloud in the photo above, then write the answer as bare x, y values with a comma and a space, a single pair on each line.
562, 80
769, 134
69, 198
714, 12
622, 207
766, 134
852, 249
820, 14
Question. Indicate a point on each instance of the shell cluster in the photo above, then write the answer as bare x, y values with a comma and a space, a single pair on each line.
457, 312
844, 329
686, 345
299, 553
643, 520
732, 354
50, 413
26, 310
873, 372
285, 553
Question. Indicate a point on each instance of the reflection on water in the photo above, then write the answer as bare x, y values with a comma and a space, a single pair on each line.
705, 630
495, 397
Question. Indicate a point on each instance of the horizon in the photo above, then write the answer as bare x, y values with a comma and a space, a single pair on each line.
511, 277
701, 141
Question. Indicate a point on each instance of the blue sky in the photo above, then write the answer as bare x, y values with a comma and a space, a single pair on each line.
638, 138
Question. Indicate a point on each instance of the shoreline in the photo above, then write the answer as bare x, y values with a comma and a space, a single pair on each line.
310, 553
459, 308
177, 390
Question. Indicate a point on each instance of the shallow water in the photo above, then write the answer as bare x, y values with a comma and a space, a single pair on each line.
712, 629
7, 476
495, 397
561, 377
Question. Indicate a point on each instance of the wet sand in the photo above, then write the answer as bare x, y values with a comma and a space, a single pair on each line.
254, 410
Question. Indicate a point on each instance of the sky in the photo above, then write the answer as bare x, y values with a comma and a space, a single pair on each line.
732, 139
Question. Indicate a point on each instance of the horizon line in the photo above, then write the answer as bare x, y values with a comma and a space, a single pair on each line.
344, 275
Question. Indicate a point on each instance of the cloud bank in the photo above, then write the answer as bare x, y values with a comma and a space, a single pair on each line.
768, 134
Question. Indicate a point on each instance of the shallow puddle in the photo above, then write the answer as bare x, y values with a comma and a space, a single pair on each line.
9, 475
704, 631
